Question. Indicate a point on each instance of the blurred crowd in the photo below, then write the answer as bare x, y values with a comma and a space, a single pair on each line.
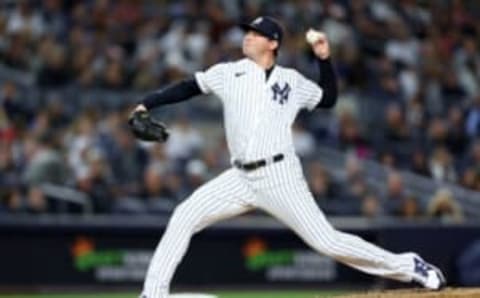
408, 72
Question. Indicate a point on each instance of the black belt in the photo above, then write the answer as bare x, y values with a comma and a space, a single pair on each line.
256, 164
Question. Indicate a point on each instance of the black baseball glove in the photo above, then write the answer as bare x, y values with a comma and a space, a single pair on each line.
146, 128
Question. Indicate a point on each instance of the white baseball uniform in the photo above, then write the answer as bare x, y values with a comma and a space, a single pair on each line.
258, 115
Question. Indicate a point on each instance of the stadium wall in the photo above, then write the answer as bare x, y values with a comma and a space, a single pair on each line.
254, 251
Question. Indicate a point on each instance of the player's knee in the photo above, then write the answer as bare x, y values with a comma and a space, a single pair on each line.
327, 244
332, 250
180, 216
190, 215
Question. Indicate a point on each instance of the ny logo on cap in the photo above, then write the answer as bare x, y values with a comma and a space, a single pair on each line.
281, 94
258, 20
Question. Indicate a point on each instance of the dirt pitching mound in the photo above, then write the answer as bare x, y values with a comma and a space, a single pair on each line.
419, 293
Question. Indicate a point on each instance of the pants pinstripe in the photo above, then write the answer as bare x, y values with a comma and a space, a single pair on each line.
279, 189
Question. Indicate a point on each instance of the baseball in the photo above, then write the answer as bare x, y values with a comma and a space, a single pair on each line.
313, 36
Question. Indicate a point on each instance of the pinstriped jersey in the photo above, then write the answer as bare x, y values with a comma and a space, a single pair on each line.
258, 112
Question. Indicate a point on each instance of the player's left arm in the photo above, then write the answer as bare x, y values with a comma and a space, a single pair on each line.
174, 93
203, 82
328, 79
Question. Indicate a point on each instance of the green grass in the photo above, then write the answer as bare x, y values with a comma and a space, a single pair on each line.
264, 294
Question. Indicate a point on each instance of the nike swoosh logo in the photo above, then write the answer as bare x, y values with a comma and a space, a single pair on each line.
237, 74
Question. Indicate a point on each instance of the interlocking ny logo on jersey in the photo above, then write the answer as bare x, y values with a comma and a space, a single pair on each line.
281, 94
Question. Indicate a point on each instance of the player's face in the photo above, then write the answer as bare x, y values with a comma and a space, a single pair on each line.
255, 44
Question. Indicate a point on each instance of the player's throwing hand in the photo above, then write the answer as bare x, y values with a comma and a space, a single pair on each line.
319, 42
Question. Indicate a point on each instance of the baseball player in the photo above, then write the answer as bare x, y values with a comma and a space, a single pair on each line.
261, 100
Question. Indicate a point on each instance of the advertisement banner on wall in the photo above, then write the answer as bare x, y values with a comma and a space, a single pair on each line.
79, 255
293, 265
237, 257
261, 262
111, 264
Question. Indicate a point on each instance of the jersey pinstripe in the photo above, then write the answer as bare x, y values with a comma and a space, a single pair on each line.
257, 119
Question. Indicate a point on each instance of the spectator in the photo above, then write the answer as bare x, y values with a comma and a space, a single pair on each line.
46, 166
10, 196
388, 160
54, 72
97, 181
396, 138
457, 139
82, 60
158, 158
353, 168
437, 133
444, 207
349, 136
471, 166
416, 117
176, 185
185, 140
196, 172
471, 179
473, 119
114, 76
215, 160
403, 47
371, 206
419, 163
441, 165
395, 195
452, 92
18, 114
321, 183
326, 192
15, 53
474, 159
128, 162
154, 183
303, 142
54, 18
83, 139
25, 21
57, 113
388, 89
467, 65
410, 208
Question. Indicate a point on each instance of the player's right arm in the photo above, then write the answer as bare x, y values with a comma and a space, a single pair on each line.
327, 80
323, 93
209, 81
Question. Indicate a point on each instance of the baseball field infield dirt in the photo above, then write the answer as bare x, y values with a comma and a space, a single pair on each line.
419, 293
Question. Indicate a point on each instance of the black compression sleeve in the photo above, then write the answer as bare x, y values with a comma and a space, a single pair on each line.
328, 82
173, 93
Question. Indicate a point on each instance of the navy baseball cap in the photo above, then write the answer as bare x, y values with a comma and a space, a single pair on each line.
267, 27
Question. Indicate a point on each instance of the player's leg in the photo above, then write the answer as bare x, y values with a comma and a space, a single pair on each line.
289, 199
221, 198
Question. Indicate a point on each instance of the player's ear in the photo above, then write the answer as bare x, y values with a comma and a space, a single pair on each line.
273, 45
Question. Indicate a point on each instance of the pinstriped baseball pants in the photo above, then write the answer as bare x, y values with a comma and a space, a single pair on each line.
279, 189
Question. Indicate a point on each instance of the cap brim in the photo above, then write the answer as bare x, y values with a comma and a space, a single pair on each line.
248, 27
